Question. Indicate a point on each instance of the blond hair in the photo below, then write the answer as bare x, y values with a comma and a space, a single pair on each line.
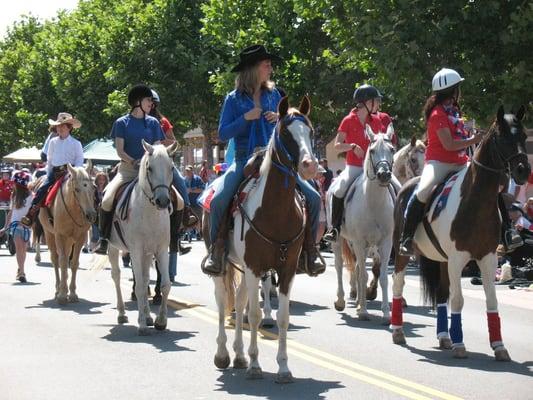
246, 81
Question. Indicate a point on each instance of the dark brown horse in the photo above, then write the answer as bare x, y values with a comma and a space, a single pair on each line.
268, 234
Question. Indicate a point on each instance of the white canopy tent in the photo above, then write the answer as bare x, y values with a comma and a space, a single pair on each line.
25, 154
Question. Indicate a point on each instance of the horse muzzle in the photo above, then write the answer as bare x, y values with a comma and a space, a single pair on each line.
384, 176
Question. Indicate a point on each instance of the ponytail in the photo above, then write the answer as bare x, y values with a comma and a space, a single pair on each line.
437, 98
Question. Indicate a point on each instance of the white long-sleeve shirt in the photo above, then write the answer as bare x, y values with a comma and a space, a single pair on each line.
63, 151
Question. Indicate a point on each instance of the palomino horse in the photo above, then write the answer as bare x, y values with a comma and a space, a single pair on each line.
409, 160
73, 213
144, 232
369, 223
272, 222
468, 228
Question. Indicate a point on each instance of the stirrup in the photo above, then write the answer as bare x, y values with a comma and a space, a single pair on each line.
101, 247
208, 264
332, 235
406, 248
512, 240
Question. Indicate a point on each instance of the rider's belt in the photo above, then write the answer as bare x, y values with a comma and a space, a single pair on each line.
59, 168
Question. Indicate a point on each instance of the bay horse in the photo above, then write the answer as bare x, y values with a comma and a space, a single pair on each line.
144, 232
268, 234
73, 213
468, 228
409, 160
368, 223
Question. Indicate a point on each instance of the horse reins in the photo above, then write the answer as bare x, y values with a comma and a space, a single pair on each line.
376, 166
66, 208
153, 189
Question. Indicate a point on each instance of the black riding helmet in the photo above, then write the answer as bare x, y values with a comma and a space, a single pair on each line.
366, 92
137, 93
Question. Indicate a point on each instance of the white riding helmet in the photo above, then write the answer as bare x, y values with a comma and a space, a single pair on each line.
155, 96
445, 79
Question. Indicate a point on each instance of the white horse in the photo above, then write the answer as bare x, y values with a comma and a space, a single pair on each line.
409, 160
145, 233
369, 223
272, 228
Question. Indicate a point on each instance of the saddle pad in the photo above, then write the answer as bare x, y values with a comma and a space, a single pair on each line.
442, 196
52, 192
242, 194
124, 199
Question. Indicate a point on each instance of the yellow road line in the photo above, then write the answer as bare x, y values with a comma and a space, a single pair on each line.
324, 359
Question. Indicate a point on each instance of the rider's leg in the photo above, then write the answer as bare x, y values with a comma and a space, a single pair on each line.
126, 173
189, 219
313, 202
218, 215
38, 200
511, 239
346, 178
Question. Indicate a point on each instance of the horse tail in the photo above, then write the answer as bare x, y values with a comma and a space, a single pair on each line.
430, 280
348, 256
232, 280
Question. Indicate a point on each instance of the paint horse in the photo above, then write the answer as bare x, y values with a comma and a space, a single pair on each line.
468, 228
268, 234
368, 223
409, 160
66, 223
144, 232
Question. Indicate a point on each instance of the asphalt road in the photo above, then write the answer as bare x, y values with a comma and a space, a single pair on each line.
79, 352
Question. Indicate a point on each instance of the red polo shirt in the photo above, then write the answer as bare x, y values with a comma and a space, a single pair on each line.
6, 188
354, 130
439, 119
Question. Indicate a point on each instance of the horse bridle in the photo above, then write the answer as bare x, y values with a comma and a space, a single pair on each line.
77, 201
375, 167
279, 146
151, 199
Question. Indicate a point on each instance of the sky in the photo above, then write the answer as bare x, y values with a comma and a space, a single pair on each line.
43, 9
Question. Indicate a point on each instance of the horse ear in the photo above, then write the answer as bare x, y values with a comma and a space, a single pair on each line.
390, 132
171, 150
370, 133
148, 147
305, 106
283, 107
413, 141
500, 114
89, 166
521, 112
71, 169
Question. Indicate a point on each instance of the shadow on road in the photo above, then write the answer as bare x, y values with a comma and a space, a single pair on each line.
234, 382
83, 307
475, 361
162, 340
376, 323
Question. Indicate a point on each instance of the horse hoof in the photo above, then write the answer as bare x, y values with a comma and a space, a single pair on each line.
502, 355
284, 377
445, 343
385, 320
149, 321
254, 373
353, 294
398, 337
62, 300
363, 317
340, 306
240, 363
160, 327
73, 298
459, 352
267, 323
122, 319
143, 331
222, 362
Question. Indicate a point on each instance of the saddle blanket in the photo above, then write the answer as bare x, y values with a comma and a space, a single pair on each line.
52, 192
442, 199
242, 195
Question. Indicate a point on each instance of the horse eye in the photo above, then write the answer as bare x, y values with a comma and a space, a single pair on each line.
149, 169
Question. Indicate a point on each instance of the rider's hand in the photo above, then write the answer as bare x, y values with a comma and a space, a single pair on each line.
358, 151
254, 113
271, 116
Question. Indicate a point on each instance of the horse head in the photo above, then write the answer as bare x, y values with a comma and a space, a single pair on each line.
155, 173
379, 157
293, 137
510, 138
82, 187
416, 156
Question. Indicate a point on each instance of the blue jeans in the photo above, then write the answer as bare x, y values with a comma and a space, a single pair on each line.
231, 181
179, 184
41, 193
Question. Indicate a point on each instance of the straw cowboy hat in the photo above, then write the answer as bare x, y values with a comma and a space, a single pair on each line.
65, 118
252, 55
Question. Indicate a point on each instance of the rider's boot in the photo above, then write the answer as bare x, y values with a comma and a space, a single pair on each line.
189, 219
413, 216
214, 263
310, 259
511, 238
105, 224
337, 209
28, 219
175, 222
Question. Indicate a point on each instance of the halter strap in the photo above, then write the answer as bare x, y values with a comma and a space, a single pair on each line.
279, 146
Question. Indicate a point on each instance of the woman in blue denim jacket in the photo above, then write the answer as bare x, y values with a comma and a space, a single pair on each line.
249, 115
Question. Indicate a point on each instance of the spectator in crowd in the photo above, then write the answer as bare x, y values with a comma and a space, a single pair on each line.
21, 200
195, 187
6, 185
328, 175
101, 180
205, 173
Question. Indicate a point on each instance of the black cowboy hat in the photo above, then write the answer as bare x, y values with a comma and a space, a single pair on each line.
252, 55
